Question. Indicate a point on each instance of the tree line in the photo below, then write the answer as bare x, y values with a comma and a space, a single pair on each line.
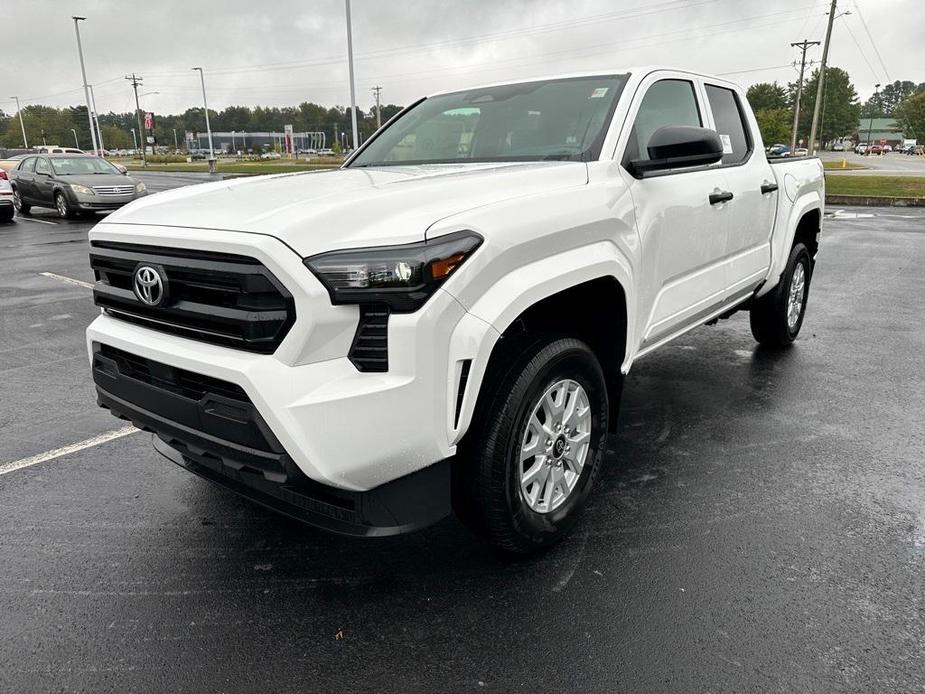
841, 111
59, 126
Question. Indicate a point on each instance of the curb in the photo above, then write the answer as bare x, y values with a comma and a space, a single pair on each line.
873, 201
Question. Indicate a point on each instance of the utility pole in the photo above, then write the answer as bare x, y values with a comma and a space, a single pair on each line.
83, 71
820, 87
353, 95
376, 90
804, 45
205, 104
141, 132
25, 142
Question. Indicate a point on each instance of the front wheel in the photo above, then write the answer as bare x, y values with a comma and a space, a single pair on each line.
63, 207
535, 448
776, 318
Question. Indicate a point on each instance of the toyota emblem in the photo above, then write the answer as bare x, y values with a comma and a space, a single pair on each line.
149, 285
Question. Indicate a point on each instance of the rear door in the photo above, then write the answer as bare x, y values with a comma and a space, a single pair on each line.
683, 236
44, 185
750, 213
25, 173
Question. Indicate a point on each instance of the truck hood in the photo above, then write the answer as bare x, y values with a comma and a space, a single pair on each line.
327, 210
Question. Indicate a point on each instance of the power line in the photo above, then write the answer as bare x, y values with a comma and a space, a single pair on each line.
861, 50
872, 43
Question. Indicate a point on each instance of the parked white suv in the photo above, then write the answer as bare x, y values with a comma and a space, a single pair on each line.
446, 321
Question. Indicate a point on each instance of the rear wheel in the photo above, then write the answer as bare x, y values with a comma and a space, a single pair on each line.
535, 450
18, 203
776, 318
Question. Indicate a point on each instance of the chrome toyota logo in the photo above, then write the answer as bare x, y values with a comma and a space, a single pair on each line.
149, 285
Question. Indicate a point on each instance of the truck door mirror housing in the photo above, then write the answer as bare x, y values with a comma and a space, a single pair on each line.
679, 146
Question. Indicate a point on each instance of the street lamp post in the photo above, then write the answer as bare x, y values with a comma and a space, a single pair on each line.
83, 72
232, 143
76, 143
25, 142
353, 96
205, 105
870, 123
96, 120
176, 145
134, 139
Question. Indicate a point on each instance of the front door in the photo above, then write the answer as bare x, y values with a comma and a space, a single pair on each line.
682, 236
43, 182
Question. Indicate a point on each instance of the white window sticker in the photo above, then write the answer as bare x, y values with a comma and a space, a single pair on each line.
727, 144
599, 92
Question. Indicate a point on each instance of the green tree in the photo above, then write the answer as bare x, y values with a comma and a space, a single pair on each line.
910, 116
840, 108
767, 96
774, 125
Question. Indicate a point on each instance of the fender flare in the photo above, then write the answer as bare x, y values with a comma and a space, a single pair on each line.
780, 250
476, 336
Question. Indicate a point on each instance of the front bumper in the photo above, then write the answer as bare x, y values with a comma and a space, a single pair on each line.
210, 428
91, 203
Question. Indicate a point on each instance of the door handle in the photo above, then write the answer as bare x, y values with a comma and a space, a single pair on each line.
768, 188
722, 196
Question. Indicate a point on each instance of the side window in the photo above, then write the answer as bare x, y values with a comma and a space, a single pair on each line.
28, 165
42, 166
730, 124
667, 102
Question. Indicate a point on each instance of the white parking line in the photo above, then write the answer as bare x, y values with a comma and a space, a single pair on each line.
65, 450
20, 218
69, 280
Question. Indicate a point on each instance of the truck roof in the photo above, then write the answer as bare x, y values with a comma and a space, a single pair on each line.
638, 72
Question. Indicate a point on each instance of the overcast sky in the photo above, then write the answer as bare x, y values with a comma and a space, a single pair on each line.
283, 52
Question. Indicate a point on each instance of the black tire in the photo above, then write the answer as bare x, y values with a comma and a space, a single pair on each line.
487, 493
768, 315
63, 206
6, 213
21, 207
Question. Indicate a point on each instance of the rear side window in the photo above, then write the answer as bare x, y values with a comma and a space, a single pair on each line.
28, 165
727, 116
42, 166
668, 102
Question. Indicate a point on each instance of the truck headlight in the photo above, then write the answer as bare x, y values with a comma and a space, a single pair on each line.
82, 190
403, 277
140, 187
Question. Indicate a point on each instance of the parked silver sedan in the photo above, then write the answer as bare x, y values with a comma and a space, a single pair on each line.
72, 184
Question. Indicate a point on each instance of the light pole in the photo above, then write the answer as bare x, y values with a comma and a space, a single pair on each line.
232, 143
76, 143
870, 123
134, 139
176, 146
83, 72
25, 142
96, 120
205, 105
353, 96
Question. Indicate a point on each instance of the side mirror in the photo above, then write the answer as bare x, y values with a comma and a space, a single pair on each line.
678, 146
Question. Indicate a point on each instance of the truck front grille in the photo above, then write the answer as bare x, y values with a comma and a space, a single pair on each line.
220, 298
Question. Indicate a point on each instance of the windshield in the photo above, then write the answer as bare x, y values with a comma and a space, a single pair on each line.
562, 119
81, 166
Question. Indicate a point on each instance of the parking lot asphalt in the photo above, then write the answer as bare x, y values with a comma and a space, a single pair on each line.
760, 524
890, 164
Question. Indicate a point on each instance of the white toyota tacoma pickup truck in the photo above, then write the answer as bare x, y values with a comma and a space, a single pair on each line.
445, 323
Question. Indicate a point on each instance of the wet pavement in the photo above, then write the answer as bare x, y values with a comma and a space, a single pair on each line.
760, 525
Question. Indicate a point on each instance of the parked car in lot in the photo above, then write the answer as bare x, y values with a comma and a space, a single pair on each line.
433, 327
861, 148
57, 149
6, 201
838, 147
914, 150
72, 184
800, 152
873, 149
11, 163
779, 151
